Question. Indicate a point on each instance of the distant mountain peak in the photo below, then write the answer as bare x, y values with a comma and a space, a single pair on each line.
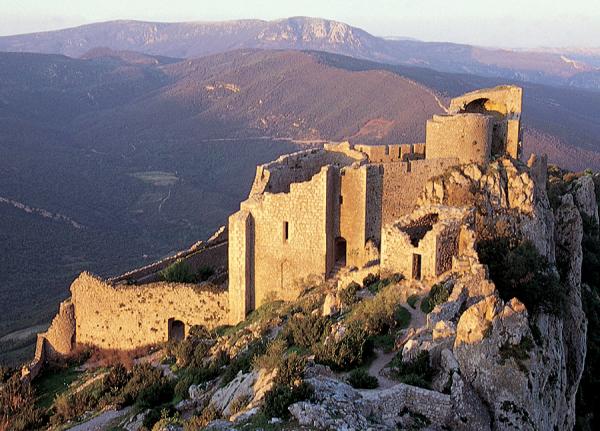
307, 30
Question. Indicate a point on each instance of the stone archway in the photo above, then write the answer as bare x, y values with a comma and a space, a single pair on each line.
176, 330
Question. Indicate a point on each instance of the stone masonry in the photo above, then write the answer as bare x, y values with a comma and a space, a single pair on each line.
313, 212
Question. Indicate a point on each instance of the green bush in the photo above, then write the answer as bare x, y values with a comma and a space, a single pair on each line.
348, 294
348, 352
205, 272
278, 399
17, 405
402, 317
305, 330
142, 376
178, 272
155, 394
360, 379
209, 414
193, 376
437, 295
370, 280
412, 300
290, 369
417, 372
272, 356
521, 272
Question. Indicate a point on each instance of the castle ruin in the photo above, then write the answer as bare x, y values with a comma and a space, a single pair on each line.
312, 212
309, 215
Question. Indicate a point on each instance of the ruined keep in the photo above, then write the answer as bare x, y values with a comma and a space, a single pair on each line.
309, 216
313, 212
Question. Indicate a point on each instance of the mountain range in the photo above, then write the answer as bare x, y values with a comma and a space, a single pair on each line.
570, 67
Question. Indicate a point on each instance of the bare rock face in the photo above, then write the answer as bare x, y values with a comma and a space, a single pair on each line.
524, 369
569, 256
584, 197
507, 196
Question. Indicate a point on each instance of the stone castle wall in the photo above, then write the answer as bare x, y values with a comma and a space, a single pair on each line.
436, 248
281, 263
404, 182
466, 137
127, 317
276, 176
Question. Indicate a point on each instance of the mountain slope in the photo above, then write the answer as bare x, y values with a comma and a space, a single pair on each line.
193, 39
149, 156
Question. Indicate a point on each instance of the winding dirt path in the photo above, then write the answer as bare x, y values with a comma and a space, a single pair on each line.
379, 364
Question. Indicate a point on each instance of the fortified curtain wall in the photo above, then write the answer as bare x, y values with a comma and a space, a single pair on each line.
127, 317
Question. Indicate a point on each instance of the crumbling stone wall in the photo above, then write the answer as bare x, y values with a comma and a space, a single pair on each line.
436, 248
241, 265
402, 184
127, 317
467, 137
392, 153
276, 176
293, 239
60, 336
503, 104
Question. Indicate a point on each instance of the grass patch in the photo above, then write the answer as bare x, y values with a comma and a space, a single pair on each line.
54, 382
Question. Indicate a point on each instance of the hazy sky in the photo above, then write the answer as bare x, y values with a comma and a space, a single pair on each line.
516, 23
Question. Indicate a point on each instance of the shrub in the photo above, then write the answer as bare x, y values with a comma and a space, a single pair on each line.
178, 272
304, 331
155, 394
142, 377
290, 369
360, 379
70, 405
416, 372
348, 352
378, 314
278, 399
270, 359
17, 405
348, 294
370, 280
437, 295
205, 272
412, 300
209, 414
116, 378
521, 272
402, 317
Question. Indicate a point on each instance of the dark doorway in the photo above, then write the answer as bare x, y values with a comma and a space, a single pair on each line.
340, 251
176, 330
416, 267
